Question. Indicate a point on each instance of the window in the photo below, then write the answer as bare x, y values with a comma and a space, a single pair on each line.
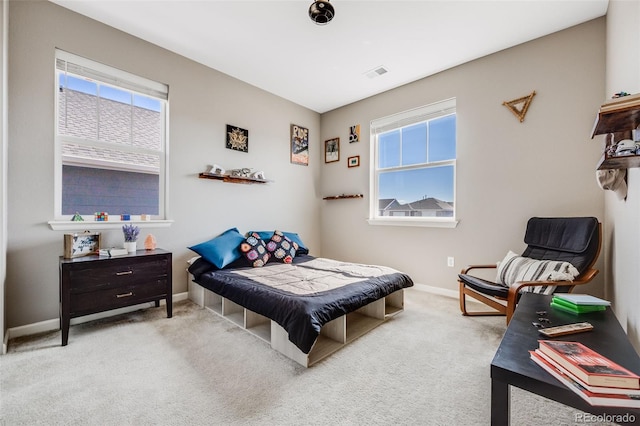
111, 147
413, 167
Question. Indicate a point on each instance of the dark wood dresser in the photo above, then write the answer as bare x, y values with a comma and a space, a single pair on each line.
92, 284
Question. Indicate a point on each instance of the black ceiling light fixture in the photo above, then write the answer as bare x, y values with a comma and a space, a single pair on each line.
321, 12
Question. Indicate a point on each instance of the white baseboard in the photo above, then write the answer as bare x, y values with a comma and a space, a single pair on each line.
54, 324
436, 290
454, 294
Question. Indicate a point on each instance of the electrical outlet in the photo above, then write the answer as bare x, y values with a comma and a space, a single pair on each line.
450, 262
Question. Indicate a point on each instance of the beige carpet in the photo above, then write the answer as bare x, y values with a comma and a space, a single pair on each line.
427, 366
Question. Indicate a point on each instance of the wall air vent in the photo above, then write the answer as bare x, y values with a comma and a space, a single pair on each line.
376, 72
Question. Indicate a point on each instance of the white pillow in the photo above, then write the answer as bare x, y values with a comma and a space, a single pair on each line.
515, 268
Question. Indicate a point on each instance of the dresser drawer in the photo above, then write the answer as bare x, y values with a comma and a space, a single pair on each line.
117, 274
116, 297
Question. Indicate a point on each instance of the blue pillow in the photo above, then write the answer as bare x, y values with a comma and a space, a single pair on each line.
222, 250
266, 236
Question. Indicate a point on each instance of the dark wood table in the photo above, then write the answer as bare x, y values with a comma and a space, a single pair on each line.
512, 365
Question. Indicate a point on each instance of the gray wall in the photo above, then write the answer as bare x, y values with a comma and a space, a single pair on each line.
622, 227
202, 102
507, 171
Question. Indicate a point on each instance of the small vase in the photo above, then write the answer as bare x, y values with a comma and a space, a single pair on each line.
130, 246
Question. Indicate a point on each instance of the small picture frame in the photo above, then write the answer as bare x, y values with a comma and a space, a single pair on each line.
354, 133
237, 139
332, 150
353, 161
299, 145
81, 244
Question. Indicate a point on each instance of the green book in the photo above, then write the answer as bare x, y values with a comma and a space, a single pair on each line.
576, 309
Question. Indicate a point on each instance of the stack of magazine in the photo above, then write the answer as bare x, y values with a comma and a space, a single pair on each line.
595, 378
578, 303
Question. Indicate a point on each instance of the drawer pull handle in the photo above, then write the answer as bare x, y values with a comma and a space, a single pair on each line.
124, 295
124, 273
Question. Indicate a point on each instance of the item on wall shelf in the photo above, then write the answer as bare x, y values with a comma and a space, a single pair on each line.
101, 216
354, 133
244, 175
613, 180
299, 145
125, 217
145, 217
237, 138
83, 244
150, 242
521, 111
353, 161
77, 218
332, 150
343, 196
216, 169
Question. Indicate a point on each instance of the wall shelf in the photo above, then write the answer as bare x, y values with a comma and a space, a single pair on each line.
617, 118
232, 179
343, 196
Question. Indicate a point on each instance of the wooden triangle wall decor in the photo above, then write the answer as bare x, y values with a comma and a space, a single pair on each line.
520, 106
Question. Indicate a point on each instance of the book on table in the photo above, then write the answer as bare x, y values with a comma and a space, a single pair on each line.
611, 397
589, 366
581, 299
563, 305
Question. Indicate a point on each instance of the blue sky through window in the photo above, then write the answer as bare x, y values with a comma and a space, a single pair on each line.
417, 144
108, 92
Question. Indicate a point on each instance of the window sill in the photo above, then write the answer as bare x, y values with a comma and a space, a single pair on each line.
426, 223
90, 225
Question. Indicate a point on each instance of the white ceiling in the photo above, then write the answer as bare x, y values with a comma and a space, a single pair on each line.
275, 46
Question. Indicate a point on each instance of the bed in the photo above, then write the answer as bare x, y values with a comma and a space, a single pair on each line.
306, 308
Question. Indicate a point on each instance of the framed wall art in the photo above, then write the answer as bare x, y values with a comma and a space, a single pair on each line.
237, 138
299, 145
353, 161
354, 133
332, 150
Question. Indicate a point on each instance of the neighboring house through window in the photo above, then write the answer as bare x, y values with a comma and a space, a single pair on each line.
413, 167
111, 147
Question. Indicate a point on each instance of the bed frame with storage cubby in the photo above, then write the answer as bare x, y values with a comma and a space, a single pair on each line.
333, 336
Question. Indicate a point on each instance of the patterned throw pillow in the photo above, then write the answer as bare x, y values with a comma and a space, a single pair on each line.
515, 268
281, 247
255, 250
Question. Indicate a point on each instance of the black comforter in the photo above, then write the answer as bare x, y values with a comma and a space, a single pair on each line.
302, 296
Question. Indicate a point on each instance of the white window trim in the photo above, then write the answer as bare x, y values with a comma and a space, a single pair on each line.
434, 110
133, 83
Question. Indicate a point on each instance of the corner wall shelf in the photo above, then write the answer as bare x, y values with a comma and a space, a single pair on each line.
232, 179
343, 196
617, 118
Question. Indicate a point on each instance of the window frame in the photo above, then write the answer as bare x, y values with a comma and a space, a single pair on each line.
398, 121
109, 76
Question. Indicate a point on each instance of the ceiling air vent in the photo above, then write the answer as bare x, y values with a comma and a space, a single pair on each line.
378, 71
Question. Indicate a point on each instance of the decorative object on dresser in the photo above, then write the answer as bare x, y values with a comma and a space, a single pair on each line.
131, 233
150, 242
93, 284
81, 244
